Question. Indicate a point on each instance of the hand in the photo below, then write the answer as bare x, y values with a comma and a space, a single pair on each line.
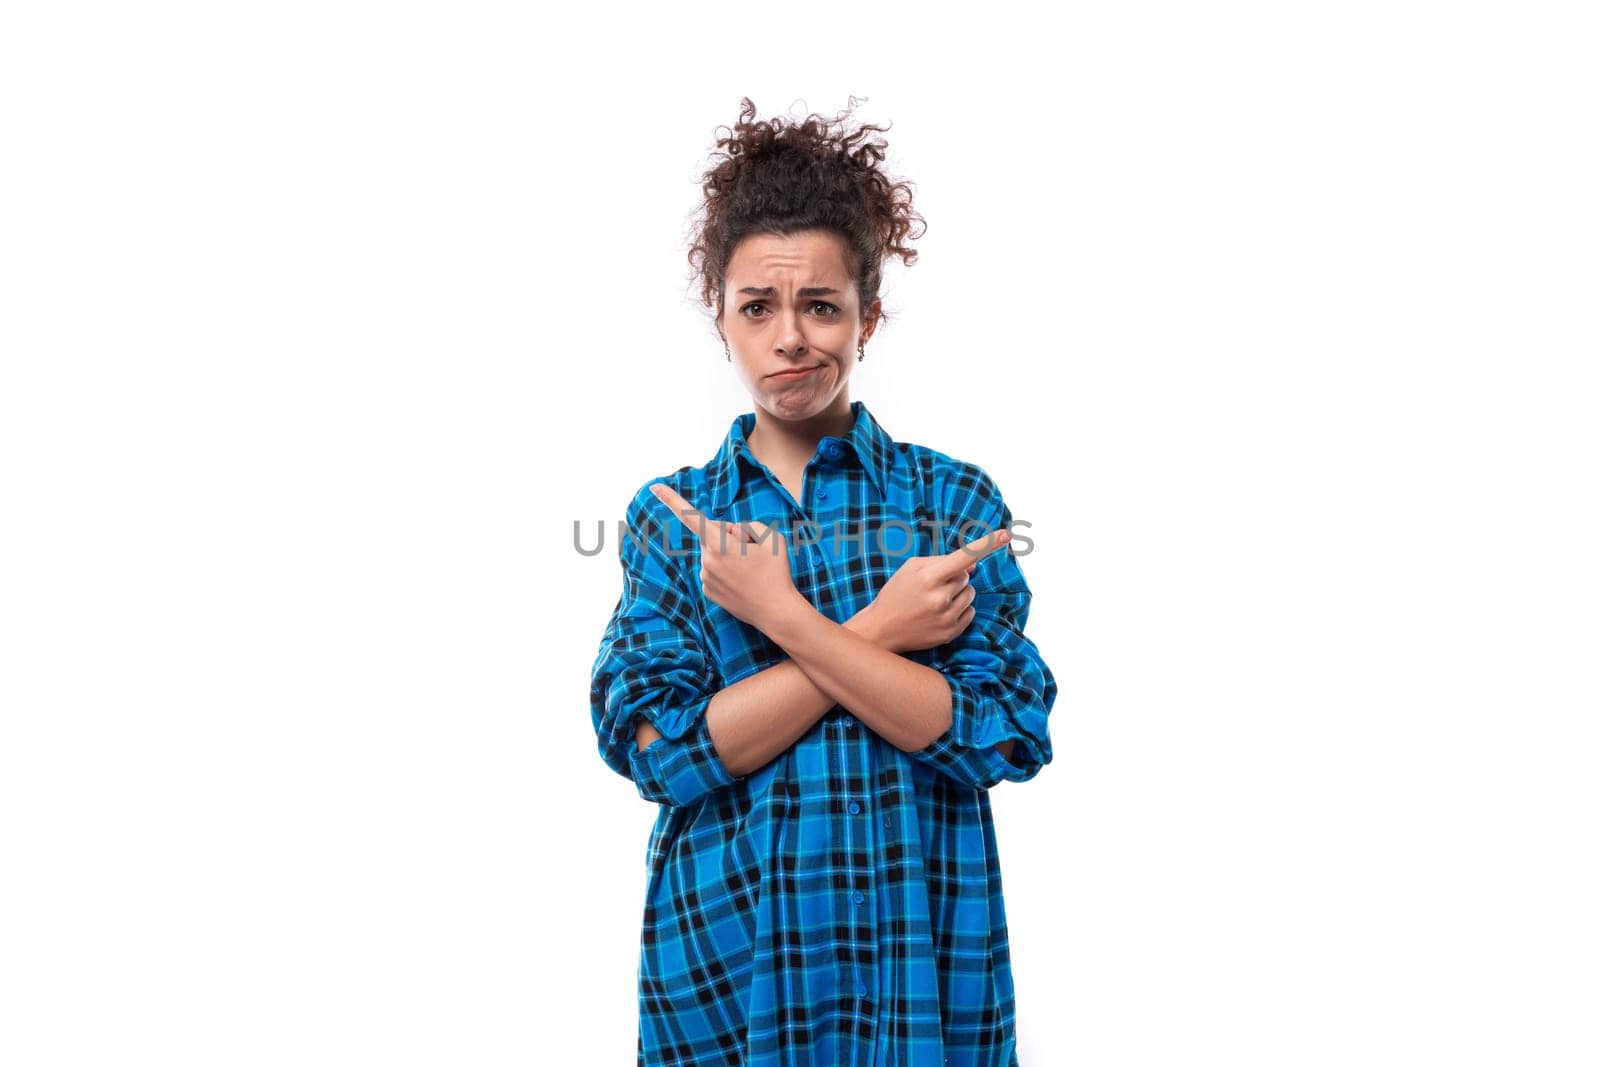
928, 601
744, 566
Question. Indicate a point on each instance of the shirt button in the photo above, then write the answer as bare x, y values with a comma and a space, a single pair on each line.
816, 555
848, 720
858, 896
822, 494
833, 450
855, 809
861, 989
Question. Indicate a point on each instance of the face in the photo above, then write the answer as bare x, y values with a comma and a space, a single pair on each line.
788, 304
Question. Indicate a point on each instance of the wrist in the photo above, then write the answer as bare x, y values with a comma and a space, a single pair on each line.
862, 623
785, 616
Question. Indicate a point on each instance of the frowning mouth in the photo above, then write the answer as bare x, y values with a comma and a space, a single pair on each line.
794, 375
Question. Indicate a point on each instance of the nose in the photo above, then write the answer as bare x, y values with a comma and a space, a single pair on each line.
791, 341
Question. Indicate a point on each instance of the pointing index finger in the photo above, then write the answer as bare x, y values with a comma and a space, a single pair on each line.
974, 552
687, 513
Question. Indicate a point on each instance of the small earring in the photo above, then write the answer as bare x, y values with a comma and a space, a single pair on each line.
727, 350
862, 352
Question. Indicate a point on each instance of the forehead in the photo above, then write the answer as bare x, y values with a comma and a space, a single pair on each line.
812, 257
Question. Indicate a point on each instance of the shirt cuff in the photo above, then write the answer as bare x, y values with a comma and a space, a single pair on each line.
680, 770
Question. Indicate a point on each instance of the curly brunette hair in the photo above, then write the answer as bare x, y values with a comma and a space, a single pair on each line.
779, 178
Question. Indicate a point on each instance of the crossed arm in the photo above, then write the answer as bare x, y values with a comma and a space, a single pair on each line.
758, 717
907, 704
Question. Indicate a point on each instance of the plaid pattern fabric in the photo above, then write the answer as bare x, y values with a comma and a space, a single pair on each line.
841, 905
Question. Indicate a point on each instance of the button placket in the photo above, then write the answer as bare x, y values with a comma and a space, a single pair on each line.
859, 880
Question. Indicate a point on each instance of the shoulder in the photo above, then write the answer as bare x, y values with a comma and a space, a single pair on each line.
963, 488
687, 482
691, 483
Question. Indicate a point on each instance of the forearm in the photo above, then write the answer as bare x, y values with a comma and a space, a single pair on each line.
907, 704
758, 717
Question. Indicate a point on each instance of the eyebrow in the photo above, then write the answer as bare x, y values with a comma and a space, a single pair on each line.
768, 290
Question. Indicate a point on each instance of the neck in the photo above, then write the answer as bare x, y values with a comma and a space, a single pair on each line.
783, 442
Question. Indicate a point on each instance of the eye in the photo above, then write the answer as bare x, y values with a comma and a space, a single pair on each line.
829, 310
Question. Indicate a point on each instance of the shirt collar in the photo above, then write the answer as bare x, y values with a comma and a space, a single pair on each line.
872, 445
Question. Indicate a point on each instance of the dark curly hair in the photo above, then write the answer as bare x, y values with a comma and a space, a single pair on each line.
779, 178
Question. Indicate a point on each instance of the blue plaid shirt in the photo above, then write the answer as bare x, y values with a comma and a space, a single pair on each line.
841, 904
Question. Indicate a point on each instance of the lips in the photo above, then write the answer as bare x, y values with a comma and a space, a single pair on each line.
794, 375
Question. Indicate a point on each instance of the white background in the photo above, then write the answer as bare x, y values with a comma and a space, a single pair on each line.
321, 323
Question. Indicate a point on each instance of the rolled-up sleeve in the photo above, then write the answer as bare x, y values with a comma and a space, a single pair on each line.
653, 664
1001, 689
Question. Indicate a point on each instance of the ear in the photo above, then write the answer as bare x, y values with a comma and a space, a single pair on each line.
869, 321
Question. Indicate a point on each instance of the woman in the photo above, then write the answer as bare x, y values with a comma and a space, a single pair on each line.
817, 667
